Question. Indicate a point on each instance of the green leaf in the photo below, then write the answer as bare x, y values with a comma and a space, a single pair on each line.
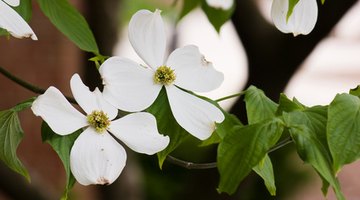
355, 91
11, 135
24, 10
70, 22
167, 125
343, 130
230, 122
258, 106
217, 17
292, 4
188, 6
242, 149
286, 105
265, 170
308, 130
62, 146
23, 105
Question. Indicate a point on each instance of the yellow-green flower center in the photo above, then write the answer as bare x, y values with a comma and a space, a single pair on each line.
164, 75
99, 120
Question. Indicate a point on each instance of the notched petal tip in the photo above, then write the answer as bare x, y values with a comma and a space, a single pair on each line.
13, 22
96, 159
102, 181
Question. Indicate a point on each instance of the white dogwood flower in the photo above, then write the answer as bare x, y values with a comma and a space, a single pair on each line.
96, 157
301, 21
132, 87
222, 4
13, 22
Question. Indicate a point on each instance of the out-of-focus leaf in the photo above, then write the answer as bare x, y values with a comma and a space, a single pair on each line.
188, 6
217, 16
70, 22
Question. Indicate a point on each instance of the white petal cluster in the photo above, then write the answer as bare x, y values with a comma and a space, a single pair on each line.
96, 157
301, 21
221, 4
131, 87
13, 22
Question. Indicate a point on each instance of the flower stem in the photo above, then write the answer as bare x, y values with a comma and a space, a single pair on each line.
27, 85
191, 165
230, 96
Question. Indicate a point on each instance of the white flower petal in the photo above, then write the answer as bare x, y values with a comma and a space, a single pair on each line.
57, 112
195, 115
13, 3
14, 23
139, 132
147, 36
128, 85
222, 4
301, 21
90, 101
192, 71
96, 158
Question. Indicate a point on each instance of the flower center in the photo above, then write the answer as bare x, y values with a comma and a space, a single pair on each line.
99, 120
164, 75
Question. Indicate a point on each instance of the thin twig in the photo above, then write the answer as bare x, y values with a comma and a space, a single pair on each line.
229, 97
20, 82
191, 165
27, 85
281, 144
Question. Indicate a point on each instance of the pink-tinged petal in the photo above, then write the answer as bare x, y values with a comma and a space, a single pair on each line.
14, 23
221, 4
90, 101
195, 115
192, 71
147, 36
57, 112
302, 19
96, 158
128, 85
13, 3
139, 132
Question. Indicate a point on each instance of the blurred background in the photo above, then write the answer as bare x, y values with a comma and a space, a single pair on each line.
249, 50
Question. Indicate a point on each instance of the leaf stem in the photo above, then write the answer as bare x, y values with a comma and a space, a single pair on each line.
281, 144
230, 96
191, 165
27, 85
